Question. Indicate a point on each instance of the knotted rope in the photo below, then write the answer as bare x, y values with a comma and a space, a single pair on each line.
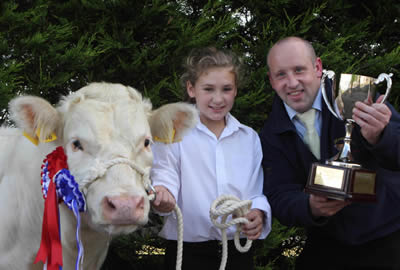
224, 206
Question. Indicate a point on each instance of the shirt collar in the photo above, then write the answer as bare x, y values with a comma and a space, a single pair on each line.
232, 125
316, 105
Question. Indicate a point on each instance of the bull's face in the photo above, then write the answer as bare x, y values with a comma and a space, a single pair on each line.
106, 131
97, 136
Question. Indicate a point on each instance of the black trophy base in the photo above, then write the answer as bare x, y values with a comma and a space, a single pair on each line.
342, 181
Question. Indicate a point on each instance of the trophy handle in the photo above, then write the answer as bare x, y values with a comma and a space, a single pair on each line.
331, 75
381, 78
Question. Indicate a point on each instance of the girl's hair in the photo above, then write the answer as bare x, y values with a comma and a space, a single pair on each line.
201, 59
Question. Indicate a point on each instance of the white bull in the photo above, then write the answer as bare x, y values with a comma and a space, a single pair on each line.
97, 124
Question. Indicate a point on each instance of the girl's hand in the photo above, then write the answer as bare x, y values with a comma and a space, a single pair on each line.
253, 229
164, 201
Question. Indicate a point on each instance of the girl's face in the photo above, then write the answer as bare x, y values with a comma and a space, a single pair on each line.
215, 91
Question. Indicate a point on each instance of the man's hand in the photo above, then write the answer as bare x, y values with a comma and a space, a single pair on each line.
253, 229
372, 119
164, 201
324, 207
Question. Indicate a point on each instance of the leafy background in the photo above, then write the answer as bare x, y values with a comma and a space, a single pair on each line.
51, 48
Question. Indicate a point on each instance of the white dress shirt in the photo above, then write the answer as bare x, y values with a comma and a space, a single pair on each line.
202, 167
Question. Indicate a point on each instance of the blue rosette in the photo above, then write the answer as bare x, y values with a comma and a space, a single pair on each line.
68, 190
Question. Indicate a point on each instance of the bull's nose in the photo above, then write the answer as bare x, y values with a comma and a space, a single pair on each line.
123, 210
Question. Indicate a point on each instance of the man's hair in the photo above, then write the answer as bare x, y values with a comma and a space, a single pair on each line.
306, 43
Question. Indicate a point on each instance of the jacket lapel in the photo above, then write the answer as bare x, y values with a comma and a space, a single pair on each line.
289, 139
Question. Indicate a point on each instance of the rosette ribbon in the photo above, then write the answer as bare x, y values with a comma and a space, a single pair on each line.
58, 185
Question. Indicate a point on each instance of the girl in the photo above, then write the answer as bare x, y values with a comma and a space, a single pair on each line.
219, 156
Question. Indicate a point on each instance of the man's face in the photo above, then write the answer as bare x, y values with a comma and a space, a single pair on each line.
293, 75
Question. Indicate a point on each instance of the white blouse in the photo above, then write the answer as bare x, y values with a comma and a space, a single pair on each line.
202, 167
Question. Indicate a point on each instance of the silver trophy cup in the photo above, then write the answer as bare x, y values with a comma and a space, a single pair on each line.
341, 177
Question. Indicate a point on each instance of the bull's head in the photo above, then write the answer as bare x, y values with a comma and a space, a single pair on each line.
106, 131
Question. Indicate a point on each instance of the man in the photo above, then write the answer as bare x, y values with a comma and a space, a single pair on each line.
340, 235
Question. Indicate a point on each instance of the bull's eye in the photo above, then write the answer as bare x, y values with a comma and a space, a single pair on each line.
76, 145
146, 142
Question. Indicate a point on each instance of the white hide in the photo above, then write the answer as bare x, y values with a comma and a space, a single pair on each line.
109, 121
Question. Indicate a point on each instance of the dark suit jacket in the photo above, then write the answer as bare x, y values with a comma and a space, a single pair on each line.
287, 161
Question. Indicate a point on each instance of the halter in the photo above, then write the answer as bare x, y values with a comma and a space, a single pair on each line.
99, 169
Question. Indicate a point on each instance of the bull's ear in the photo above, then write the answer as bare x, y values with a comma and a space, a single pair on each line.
169, 122
36, 117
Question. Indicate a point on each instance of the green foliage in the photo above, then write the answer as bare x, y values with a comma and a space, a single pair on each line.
281, 248
51, 47
140, 251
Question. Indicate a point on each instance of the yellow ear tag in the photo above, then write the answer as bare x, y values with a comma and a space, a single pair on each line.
35, 141
50, 138
166, 140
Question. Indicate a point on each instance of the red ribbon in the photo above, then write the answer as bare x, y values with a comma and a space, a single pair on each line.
50, 249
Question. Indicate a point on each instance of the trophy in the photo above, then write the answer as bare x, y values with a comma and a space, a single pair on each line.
341, 177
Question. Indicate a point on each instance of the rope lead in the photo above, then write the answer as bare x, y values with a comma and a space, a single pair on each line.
223, 206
